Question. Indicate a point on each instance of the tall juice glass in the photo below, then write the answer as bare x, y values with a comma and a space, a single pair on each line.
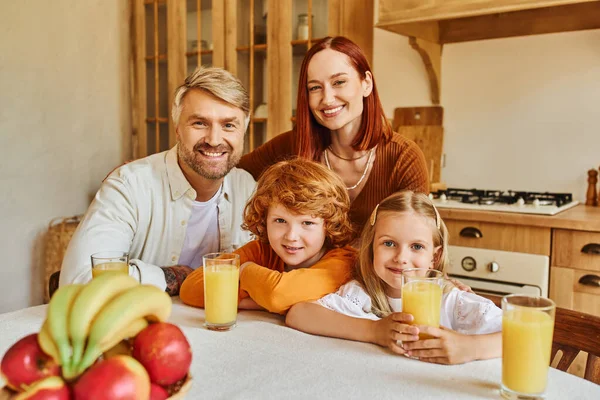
527, 329
110, 262
422, 296
221, 282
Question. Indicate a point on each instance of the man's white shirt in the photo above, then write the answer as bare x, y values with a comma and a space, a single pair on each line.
144, 207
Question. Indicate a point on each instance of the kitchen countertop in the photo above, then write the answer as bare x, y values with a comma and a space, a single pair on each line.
580, 217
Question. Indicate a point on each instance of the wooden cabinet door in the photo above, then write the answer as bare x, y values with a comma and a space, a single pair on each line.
567, 291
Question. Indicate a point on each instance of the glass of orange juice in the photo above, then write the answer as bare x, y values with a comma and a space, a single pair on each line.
110, 262
422, 296
527, 329
221, 282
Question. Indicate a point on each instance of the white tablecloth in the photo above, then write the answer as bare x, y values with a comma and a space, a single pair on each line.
261, 358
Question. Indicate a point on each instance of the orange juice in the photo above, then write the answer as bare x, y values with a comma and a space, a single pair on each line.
114, 267
221, 294
526, 347
423, 300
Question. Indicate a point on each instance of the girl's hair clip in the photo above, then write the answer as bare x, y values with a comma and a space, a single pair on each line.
438, 219
374, 215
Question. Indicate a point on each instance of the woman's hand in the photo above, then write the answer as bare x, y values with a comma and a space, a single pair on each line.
446, 346
394, 327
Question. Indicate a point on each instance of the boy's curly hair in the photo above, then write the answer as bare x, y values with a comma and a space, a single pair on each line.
303, 187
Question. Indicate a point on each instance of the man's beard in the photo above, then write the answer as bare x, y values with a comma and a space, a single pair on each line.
205, 167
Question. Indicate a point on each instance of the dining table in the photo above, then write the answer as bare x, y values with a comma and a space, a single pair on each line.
262, 358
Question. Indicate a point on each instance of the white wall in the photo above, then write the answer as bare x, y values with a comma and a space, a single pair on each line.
519, 113
64, 123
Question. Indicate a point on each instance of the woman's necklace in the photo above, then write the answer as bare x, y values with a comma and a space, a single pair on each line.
344, 158
364, 172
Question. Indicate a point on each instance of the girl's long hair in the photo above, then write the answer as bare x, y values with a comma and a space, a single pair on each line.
312, 137
364, 272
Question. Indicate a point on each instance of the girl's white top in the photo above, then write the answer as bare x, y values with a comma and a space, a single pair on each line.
463, 312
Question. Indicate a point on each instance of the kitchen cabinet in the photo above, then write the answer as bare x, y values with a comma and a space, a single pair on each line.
431, 24
257, 40
570, 239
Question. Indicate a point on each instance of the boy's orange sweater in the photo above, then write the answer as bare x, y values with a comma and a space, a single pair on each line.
267, 283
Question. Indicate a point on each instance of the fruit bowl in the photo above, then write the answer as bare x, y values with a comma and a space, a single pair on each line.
186, 385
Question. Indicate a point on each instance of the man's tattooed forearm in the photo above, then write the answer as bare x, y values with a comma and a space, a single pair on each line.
175, 276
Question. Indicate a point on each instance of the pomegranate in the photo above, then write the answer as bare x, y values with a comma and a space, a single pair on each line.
117, 378
25, 363
50, 388
158, 392
164, 351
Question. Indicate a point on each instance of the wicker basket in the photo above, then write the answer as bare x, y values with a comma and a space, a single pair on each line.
60, 231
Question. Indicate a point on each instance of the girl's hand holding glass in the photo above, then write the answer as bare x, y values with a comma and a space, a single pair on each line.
446, 346
393, 328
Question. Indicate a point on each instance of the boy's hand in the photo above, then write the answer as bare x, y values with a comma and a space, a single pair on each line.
395, 327
446, 347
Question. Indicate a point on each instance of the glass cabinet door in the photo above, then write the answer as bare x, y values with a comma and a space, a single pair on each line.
158, 69
199, 35
306, 31
250, 65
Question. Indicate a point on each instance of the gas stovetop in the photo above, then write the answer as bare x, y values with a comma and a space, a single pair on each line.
505, 201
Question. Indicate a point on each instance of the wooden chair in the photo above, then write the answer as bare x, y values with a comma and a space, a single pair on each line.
53, 283
575, 331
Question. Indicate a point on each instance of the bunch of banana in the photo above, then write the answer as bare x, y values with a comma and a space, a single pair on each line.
83, 321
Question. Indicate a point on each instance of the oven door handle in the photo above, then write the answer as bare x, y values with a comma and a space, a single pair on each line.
591, 248
471, 232
590, 280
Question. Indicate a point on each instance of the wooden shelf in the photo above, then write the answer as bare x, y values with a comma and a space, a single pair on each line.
195, 53
305, 42
161, 58
160, 120
151, 2
452, 21
257, 48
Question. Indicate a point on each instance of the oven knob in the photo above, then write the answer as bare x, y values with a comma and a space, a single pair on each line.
468, 264
493, 266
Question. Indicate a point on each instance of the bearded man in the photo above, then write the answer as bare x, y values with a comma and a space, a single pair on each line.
169, 209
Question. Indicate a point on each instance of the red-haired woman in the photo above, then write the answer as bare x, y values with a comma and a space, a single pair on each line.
340, 123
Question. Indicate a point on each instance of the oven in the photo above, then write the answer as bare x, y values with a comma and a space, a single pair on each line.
498, 273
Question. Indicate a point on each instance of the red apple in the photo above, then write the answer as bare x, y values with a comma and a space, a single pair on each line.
117, 378
164, 351
51, 388
158, 392
25, 363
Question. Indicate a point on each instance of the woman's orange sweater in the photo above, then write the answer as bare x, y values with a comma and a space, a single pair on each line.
399, 164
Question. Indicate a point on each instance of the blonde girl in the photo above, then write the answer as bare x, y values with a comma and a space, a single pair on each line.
404, 231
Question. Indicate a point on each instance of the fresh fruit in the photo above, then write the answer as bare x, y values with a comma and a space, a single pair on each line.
58, 314
47, 343
158, 392
118, 378
164, 351
89, 303
114, 320
51, 388
123, 348
25, 363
